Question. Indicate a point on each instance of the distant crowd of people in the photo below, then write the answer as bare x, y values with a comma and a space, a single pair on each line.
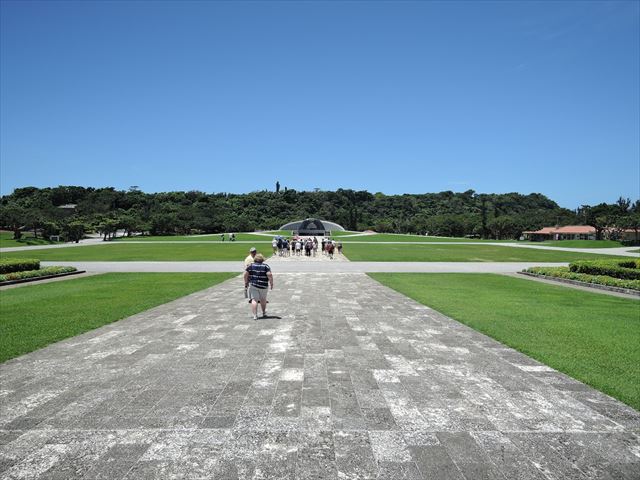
309, 246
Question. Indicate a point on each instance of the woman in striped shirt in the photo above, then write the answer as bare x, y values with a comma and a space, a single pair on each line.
257, 277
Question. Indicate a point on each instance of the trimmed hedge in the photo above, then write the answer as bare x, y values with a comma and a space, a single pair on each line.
43, 272
564, 272
10, 265
629, 263
622, 269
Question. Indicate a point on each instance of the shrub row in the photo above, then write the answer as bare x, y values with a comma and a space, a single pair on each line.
622, 269
10, 265
43, 272
564, 272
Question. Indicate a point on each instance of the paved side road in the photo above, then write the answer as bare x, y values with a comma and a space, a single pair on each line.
348, 379
300, 265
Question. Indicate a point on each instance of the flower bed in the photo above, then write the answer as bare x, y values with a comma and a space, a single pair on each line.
621, 269
30, 274
566, 273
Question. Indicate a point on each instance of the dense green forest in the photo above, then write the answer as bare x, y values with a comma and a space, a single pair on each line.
107, 210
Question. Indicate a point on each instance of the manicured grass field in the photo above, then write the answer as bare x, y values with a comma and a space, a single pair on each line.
362, 252
6, 240
193, 238
115, 251
589, 336
34, 316
393, 237
284, 233
375, 252
396, 237
341, 233
579, 243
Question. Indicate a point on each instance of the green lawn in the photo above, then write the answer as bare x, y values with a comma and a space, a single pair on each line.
393, 237
397, 237
193, 238
34, 316
190, 251
115, 251
589, 336
284, 233
341, 233
372, 252
579, 243
6, 240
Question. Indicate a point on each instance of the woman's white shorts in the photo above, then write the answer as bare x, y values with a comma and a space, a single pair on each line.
257, 294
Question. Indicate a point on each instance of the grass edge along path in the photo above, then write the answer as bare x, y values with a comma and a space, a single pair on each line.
588, 336
399, 237
208, 238
371, 252
149, 251
35, 316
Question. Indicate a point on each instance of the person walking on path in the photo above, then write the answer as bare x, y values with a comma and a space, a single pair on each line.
330, 248
250, 258
257, 277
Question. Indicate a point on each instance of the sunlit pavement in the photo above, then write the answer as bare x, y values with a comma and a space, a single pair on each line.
345, 379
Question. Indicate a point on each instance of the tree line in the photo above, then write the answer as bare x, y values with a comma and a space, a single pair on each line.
48, 211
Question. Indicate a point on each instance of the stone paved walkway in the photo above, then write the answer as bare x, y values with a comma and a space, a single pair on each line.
352, 380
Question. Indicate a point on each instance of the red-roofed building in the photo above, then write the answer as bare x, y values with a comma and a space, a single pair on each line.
569, 232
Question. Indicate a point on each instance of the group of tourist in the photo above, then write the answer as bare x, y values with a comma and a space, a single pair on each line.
298, 246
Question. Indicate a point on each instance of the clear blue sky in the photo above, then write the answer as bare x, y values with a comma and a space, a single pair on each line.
397, 97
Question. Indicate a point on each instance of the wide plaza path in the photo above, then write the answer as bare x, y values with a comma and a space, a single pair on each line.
346, 379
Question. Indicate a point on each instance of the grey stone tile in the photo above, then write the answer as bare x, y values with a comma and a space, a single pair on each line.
288, 399
508, 458
462, 447
379, 419
541, 451
398, 471
433, 461
372, 398
480, 471
148, 470
354, 456
353, 381
117, 462
389, 446
237, 388
315, 397
24, 423
252, 418
315, 469
217, 421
